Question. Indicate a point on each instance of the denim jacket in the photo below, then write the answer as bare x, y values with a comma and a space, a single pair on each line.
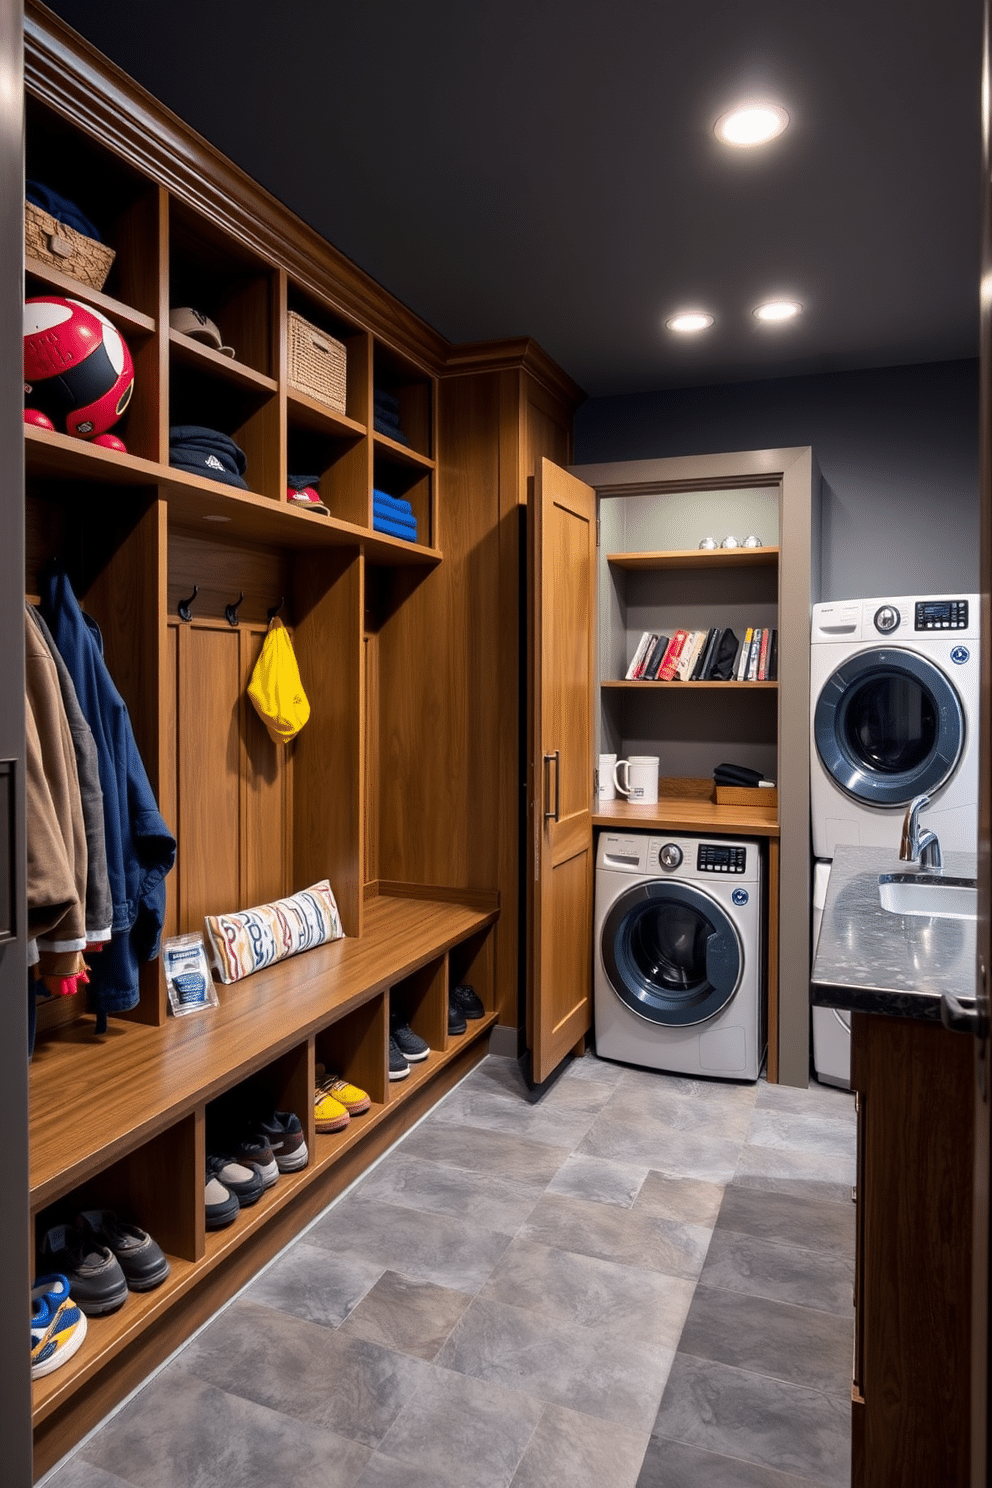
140, 847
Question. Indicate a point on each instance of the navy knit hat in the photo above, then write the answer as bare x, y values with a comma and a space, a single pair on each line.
207, 452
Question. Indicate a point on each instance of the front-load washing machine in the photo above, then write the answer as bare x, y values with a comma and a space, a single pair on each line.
894, 685
894, 714
678, 981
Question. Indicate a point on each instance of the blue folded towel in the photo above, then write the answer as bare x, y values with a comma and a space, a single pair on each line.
392, 431
395, 529
389, 504
387, 402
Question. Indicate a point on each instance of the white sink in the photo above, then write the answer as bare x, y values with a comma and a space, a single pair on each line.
928, 894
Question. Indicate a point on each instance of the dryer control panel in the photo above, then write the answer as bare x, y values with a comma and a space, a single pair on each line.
941, 614
720, 857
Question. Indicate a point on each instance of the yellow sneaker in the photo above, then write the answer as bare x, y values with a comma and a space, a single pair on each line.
329, 1115
352, 1097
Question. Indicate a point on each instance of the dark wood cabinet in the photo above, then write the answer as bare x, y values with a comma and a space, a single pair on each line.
911, 1387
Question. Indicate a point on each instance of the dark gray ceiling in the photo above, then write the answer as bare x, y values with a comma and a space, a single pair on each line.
548, 167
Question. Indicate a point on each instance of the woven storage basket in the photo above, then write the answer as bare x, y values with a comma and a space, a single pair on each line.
65, 249
318, 364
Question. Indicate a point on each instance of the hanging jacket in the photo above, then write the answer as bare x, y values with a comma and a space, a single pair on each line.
140, 847
56, 836
99, 905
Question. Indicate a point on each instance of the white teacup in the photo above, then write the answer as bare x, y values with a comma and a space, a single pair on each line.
640, 782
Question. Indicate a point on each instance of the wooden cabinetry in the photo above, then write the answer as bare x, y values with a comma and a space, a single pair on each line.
911, 1394
401, 787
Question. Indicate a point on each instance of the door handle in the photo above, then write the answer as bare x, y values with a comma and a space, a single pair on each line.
963, 1015
552, 815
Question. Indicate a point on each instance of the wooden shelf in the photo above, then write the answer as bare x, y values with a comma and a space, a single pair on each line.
401, 453
309, 413
622, 684
123, 316
697, 558
197, 354
688, 814
195, 501
150, 1077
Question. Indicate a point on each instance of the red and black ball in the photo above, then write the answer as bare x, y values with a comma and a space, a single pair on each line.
77, 368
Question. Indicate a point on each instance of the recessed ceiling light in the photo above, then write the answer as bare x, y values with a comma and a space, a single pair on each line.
777, 310
751, 124
689, 320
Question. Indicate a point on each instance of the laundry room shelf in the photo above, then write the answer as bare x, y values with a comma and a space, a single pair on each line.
682, 814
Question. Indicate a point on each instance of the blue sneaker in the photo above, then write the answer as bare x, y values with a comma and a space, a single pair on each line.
57, 1325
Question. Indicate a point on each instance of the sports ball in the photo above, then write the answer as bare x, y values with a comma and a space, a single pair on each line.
110, 441
35, 416
77, 368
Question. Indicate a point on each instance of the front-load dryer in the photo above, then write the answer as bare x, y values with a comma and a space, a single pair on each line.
894, 687
678, 975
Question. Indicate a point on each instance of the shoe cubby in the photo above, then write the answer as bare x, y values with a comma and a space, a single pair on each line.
354, 1048
421, 1000
471, 963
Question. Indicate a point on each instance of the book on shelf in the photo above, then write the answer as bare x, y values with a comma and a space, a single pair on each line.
743, 655
666, 670
722, 667
763, 656
690, 652
640, 671
651, 666
638, 656
701, 670
773, 658
755, 652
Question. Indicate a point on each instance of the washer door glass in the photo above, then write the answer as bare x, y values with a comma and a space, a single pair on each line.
888, 726
672, 954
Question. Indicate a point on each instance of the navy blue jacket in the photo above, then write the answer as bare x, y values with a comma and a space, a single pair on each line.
140, 847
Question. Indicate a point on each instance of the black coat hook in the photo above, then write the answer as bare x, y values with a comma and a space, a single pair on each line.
231, 610
271, 614
185, 613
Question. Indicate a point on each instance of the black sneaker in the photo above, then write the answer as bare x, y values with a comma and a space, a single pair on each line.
243, 1182
468, 1000
398, 1067
284, 1134
139, 1256
95, 1277
253, 1151
221, 1208
456, 1018
411, 1045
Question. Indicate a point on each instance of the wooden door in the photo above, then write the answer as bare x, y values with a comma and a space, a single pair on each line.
561, 640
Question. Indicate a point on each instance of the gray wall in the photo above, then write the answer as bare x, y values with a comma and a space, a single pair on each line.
897, 447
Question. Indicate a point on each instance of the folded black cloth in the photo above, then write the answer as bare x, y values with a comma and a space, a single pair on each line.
722, 669
207, 452
299, 481
737, 775
59, 207
386, 402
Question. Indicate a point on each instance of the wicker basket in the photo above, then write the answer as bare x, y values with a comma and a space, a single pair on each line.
65, 249
318, 364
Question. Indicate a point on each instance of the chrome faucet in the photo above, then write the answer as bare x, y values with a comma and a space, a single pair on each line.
915, 844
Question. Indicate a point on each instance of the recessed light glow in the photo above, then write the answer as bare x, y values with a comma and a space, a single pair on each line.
751, 124
689, 321
778, 310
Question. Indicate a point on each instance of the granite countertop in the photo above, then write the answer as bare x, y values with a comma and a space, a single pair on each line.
871, 961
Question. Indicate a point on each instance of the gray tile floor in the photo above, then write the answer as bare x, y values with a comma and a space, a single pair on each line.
642, 1280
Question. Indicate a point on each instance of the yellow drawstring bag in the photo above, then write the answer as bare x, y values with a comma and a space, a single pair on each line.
275, 687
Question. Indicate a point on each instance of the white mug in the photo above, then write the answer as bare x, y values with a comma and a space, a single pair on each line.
641, 784
607, 790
